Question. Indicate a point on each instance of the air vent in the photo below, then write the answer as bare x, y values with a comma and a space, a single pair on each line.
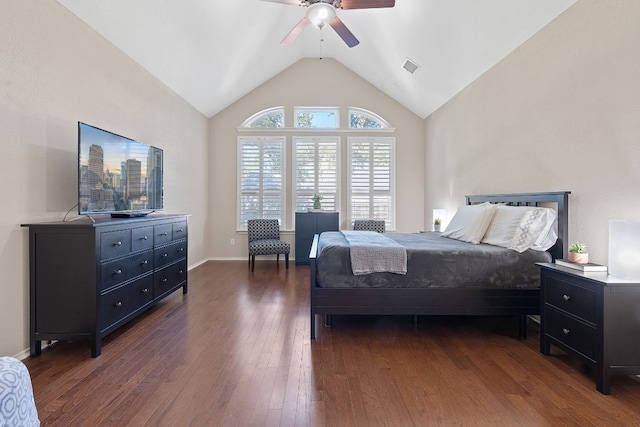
410, 66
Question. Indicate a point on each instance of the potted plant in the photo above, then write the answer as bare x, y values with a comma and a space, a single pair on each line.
316, 201
578, 253
436, 224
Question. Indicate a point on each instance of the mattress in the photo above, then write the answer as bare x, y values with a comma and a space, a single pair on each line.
433, 261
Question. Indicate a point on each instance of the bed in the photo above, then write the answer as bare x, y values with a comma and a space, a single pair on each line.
334, 290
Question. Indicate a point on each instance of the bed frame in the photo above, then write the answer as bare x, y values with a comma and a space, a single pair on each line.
443, 301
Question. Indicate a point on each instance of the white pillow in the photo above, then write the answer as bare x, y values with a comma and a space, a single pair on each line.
470, 222
504, 224
535, 231
549, 234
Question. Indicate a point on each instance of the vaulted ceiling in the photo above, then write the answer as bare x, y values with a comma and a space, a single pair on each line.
213, 52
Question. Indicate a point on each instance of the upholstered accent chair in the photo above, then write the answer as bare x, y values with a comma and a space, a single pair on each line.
369, 225
264, 239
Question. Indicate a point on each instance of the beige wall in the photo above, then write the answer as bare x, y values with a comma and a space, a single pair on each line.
54, 71
311, 82
562, 112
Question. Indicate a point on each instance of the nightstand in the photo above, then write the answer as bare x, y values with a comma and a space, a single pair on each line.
309, 224
592, 316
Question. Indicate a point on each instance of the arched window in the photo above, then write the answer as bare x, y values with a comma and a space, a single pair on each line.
363, 119
269, 118
281, 169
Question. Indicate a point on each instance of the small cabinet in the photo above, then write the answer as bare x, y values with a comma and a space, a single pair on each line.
88, 278
307, 225
591, 316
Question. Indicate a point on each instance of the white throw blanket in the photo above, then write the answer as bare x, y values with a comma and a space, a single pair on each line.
372, 252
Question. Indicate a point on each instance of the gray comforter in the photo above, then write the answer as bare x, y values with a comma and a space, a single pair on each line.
432, 261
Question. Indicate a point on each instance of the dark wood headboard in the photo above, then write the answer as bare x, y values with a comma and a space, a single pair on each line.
559, 198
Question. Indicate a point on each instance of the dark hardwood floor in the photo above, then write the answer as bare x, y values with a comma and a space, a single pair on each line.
236, 351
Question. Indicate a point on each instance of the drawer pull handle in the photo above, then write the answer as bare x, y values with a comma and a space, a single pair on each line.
163, 234
145, 262
181, 250
566, 297
144, 238
117, 244
181, 271
180, 230
118, 304
565, 331
165, 280
145, 290
165, 255
118, 272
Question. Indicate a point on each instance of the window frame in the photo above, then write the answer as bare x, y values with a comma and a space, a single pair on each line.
257, 116
369, 114
302, 109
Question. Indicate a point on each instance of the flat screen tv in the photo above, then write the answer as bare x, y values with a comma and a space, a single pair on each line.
117, 175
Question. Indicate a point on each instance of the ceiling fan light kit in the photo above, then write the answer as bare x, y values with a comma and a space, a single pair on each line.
323, 12
320, 14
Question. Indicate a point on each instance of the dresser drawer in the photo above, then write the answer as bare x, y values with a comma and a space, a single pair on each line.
179, 230
168, 278
162, 234
115, 244
120, 302
580, 336
141, 238
169, 254
124, 269
574, 299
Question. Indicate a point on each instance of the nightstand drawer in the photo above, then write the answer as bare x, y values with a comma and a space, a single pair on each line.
571, 332
574, 299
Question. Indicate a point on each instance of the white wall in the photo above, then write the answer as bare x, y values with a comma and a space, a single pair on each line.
55, 71
311, 82
562, 112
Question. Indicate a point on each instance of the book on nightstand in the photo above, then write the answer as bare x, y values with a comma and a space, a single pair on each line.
587, 268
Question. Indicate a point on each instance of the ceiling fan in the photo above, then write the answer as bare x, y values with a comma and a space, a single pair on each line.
323, 12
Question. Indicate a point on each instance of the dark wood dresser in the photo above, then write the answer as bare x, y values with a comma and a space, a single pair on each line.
307, 225
88, 278
593, 316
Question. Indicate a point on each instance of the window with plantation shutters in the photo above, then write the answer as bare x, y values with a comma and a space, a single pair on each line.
316, 164
372, 179
261, 179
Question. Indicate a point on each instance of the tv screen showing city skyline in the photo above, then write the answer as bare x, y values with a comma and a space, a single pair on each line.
116, 173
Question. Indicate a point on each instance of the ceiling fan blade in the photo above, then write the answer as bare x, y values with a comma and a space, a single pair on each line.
295, 32
291, 2
344, 32
366, 4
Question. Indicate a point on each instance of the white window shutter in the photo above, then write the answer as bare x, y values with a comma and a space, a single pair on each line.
372, 179
261, 179
316, 162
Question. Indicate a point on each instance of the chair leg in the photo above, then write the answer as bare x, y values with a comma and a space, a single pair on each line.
277, 259
253, 262
286, 260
